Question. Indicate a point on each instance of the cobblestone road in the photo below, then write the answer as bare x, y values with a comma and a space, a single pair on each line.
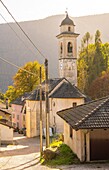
24, 155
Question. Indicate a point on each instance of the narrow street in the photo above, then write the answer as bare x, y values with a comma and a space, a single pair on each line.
24, 155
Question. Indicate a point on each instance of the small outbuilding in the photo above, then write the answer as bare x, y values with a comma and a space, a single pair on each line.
6, 129
6, 133
86, 129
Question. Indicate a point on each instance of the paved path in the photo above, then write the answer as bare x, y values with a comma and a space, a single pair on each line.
24, 155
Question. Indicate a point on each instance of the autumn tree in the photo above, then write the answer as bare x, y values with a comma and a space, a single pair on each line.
25, 80
100, 86
82, 72
1, 96
11, 93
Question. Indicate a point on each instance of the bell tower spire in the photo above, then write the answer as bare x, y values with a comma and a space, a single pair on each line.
68, 50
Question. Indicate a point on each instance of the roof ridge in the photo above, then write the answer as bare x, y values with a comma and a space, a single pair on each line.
61, 82
79, 90
93, 111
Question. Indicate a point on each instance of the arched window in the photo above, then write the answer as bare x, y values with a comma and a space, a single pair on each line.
69, 28
61, 49
70, 47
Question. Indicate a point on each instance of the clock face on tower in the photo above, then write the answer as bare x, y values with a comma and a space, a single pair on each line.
67, 46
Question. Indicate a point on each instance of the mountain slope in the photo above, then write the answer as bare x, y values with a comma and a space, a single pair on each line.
43, 33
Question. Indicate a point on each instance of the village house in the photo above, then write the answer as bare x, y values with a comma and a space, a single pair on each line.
6, 129
18, 118
5, 114
86, 129
62, 94
31, 109
6, 133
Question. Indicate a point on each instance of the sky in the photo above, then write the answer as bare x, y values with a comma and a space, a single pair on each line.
24, 10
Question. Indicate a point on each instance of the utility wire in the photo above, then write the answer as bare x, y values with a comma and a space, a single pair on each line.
17, 35
17, 66
22, 30
22, 42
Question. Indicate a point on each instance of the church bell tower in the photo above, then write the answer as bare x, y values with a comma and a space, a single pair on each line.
68, 50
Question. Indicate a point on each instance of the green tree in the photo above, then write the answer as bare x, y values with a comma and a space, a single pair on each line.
24, 81
85, 41
93, 60
105, 53
85, 67
82, 78
98, 38
98, 62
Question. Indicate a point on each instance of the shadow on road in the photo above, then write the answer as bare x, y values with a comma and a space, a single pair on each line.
22, 146
28, 164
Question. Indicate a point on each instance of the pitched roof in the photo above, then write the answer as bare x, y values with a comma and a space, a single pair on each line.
6, 124
67, 90
91, 115
35, 95
17, 101
6, 111
58, 88
52, 83
20, 100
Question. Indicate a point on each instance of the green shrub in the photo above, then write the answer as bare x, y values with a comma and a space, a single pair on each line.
65, 155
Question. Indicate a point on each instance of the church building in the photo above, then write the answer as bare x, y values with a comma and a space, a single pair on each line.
63, 91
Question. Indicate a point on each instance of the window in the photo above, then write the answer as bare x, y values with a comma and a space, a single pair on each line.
71, 132
54, 104
74, 104
70, 48
18, 124
17, 117
69, 28
61, 49
23, 117
13, 115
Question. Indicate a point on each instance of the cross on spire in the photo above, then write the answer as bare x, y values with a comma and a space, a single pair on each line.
66, 12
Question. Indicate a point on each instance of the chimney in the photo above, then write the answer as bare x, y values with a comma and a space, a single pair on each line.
6, 103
